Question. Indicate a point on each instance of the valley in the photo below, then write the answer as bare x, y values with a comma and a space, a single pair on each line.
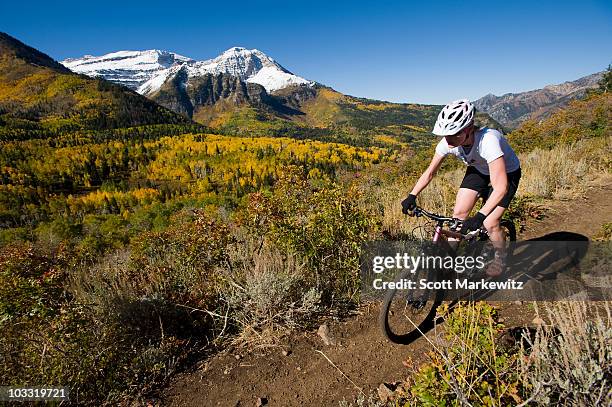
161, 215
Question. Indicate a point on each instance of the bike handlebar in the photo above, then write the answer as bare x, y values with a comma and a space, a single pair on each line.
418, 211
454, 222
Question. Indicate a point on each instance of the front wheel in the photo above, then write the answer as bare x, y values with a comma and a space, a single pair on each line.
406, 314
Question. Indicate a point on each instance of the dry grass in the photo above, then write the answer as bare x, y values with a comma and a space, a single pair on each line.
265, 293
564, 171
565, 362
99, 283
570, 360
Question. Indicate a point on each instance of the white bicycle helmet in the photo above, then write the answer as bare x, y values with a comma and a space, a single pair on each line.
454, 117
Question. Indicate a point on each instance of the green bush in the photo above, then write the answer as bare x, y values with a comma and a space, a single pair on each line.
468, 367
115, 327
323, 225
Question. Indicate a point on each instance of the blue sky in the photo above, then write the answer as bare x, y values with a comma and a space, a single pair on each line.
426, 52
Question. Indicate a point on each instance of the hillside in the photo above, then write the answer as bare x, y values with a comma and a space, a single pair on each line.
512, 109
581, 119
40, 96
162, 249
232, 106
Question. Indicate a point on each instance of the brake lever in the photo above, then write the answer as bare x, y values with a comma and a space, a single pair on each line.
468, 236
472, 235
456, 225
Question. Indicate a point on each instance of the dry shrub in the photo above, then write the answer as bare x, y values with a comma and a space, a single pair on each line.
100, 282
570, 360
268, 294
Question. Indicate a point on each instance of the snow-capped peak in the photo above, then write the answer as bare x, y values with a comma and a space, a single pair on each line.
146, 71
129, 68
247, 65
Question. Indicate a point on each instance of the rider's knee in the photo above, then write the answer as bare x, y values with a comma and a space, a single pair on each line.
459, 214
492, 224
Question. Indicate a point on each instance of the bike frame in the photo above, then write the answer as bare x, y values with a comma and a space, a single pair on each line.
441, 234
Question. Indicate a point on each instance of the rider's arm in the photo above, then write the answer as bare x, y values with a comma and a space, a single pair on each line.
499, 182
428, 174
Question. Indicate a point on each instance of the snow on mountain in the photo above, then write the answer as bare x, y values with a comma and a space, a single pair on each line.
147, 71
273, 79
158, 80
236, 61
129, 68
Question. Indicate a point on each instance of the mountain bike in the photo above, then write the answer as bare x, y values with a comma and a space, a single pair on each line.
406, 314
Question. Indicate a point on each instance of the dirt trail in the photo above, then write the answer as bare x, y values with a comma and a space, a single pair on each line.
305, 377
584, 215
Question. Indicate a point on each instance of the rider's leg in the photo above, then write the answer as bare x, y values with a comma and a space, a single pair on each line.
491, 223
497, 238
465, 201
473, 185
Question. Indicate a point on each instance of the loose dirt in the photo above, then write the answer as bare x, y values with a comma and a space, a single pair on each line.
304, 376
362, 358
584, 215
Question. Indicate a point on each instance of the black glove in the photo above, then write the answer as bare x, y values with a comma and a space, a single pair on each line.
409, 204
473, 223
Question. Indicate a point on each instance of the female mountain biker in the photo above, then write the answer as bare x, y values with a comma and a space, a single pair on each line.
493, 172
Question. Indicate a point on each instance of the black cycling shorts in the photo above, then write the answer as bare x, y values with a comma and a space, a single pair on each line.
481, 183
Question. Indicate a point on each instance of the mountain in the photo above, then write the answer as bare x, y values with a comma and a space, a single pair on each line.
246, 92
237, 81
512, 109
39, 96
147, 71
129, 68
